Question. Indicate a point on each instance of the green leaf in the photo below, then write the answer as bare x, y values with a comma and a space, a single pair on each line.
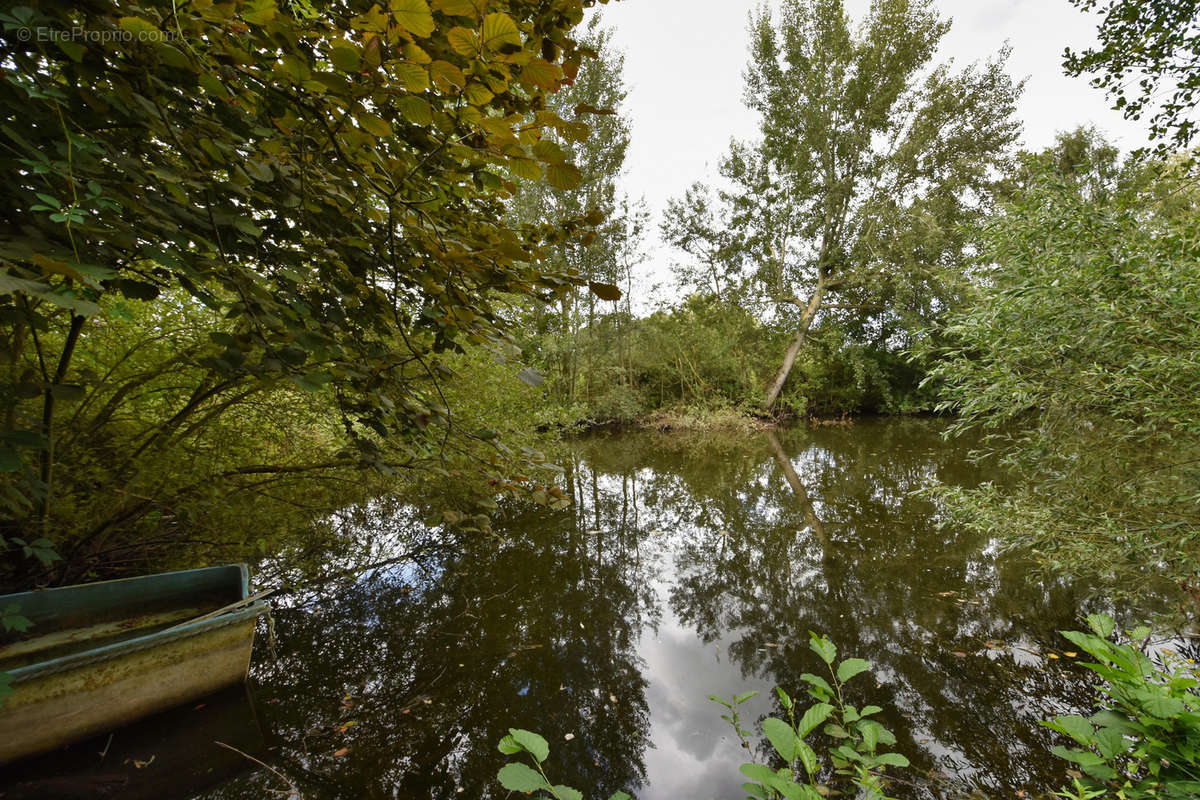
1074, 726
531, 742
813, 717
1161, 706
566, 792
823, 647
741, 698
782, 738
892, 760
821, 686
508, 745
808, 757
1102, 624
1111, 743
619, 796
345, 56
851, 667
521, 778
1084, 759
764, 775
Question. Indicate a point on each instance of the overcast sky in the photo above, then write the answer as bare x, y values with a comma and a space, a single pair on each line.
685, 58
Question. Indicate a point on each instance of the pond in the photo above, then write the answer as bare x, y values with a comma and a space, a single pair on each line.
686, 566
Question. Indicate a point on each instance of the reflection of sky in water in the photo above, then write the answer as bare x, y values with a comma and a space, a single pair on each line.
684, 568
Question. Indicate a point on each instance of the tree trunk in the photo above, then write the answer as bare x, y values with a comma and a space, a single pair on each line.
46, 467
789, 358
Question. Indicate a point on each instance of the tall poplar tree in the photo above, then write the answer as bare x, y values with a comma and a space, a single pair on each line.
852, 204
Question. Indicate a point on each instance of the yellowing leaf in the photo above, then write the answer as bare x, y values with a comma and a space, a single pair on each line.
259, 12
136, 25
413, 76
415, 54
525, 168
460, 8
463, 41
563, 176
413, 15
499, 30
542, 73
478, 94
549, 152
375, 125
415, 110
446, 75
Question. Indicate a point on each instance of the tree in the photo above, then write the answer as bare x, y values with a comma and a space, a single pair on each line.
1148, 49
1077, 355
602, 255
319, 184
853, 203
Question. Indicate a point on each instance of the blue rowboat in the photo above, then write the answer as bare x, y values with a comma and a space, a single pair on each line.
100, 655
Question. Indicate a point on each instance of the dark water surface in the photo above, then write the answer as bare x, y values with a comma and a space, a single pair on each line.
687, 566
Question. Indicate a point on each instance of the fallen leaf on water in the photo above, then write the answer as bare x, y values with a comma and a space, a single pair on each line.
612, 698
341, 752
1069, 654
959, 654
1051, 655
569, 737
945, 594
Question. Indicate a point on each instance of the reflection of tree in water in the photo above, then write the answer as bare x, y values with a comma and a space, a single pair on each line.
841, 547
440, 654
436, 659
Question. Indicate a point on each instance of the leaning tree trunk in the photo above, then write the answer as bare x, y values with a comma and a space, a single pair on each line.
789, 358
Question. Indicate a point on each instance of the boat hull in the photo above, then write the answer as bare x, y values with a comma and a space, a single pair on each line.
86, 692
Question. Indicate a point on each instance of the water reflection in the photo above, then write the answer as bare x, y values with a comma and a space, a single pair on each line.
684, 567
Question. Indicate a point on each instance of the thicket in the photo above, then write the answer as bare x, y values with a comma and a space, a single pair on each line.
240, 240
1077, 353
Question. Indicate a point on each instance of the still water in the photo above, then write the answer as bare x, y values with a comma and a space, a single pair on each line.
686, 566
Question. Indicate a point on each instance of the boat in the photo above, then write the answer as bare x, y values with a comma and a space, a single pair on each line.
101, 655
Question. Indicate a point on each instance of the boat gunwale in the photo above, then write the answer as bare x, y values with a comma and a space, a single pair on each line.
254, 608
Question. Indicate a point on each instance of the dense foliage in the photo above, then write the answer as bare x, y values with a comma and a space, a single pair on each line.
1080, 352
1144, 740
237, 236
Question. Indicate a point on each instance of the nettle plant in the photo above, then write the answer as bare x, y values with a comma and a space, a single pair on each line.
857, 751
1144, 742
517, 776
